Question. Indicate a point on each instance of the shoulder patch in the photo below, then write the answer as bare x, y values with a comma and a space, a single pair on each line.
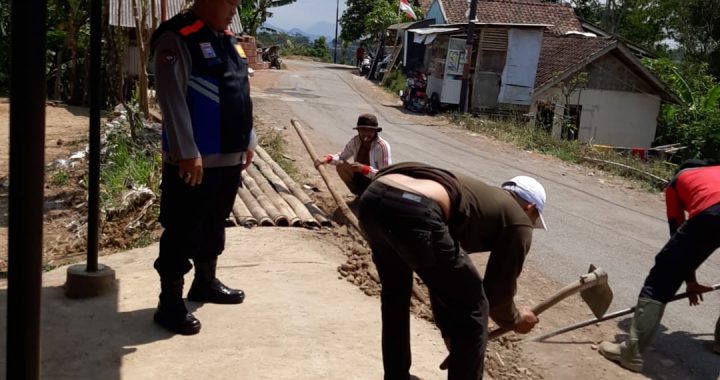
240, 51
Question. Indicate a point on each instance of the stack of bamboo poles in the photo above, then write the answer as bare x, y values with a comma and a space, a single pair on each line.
269, 197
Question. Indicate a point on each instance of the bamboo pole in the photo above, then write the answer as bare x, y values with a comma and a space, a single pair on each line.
323, 173
306, 219
661, 180
295, 189
242, 214
274, 197
255, 209
262, 199
300, 210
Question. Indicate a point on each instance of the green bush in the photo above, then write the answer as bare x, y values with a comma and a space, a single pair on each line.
395, 81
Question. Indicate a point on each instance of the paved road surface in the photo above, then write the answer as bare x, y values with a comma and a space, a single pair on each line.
590, 221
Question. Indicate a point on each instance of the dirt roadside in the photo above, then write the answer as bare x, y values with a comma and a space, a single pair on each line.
568, 357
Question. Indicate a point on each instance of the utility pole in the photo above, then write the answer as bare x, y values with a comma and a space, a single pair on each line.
470, 31
337, 14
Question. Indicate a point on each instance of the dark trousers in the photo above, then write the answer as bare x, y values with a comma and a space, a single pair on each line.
194, 218
689, 247
407, 233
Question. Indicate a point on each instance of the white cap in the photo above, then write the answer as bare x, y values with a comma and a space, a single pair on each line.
530, 190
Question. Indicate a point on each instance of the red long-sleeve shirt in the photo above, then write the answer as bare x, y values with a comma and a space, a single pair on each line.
692, 191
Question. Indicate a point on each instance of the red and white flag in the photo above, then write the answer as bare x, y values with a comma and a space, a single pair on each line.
407, 9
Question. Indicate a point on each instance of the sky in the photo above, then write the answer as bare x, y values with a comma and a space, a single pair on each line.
305, 13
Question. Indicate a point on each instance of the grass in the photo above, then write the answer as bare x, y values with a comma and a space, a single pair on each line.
60, 177
538, 140
395, 82
273, 143
126, 165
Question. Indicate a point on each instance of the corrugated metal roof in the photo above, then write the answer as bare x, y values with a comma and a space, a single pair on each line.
121, 12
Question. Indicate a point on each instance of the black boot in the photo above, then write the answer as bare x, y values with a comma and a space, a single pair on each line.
172, 313
207, 288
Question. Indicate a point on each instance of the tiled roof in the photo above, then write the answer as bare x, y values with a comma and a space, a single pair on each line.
561, 17
561, 53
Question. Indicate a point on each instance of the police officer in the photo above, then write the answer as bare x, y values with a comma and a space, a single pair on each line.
204, 94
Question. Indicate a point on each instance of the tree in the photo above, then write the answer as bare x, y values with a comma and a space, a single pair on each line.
695, 25
253, 13
368, 18
320, 49
353, 19
695, 123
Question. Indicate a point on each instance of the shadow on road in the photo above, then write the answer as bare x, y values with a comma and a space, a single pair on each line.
87, 338
684, 363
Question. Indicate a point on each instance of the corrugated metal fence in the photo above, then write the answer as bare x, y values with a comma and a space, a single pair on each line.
121, 12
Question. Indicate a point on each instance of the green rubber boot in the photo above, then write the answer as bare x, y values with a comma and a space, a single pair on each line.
648, 314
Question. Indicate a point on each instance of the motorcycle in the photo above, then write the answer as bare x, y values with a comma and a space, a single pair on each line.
365, 65
272, 55
414, 97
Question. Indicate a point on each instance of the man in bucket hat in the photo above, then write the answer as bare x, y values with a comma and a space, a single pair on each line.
368, 152
423, 219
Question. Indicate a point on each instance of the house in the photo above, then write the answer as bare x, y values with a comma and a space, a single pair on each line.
506, 49
586, 85
594, 89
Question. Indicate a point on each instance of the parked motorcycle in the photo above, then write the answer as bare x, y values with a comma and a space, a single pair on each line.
365, 65
415, 97
272, 55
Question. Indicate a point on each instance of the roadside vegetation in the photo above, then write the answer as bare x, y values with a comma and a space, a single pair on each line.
296, 45
395, 82
128, 165
649, 173
274, 144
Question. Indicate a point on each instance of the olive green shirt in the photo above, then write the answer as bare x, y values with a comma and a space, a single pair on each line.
484, 218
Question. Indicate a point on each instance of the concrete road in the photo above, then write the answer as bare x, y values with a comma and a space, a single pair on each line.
591, 220
299, 321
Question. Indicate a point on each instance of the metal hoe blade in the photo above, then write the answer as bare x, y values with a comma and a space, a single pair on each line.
599, 297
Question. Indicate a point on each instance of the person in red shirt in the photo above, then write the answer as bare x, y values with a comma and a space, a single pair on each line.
695, 191
359, 55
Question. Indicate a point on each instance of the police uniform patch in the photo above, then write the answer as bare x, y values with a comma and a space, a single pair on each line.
168, 57
207, 50
240, 51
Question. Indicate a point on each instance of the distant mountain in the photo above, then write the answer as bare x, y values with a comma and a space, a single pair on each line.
325, 29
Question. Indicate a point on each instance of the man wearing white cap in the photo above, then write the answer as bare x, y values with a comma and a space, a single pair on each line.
423, 219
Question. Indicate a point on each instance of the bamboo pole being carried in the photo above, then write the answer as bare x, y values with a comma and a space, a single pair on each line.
295, 189
300, 210
277, 218
323, 173
242, 214
255, 209
274, 197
